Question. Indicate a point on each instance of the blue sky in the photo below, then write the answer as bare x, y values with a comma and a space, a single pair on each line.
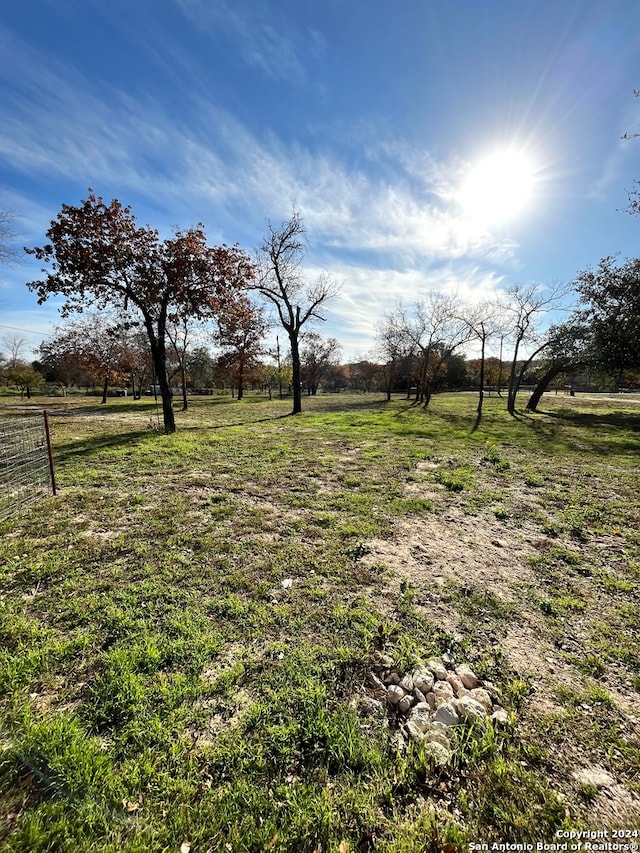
370, 117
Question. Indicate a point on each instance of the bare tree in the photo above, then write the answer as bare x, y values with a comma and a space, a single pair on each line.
281, 281
484, 321
178, 333
436, 331
318, 356
13, 345
526, 303
136, 359
393, 345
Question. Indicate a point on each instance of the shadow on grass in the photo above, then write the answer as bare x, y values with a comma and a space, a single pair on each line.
230, 424
620, 420
88, 446
618, 437
319, 407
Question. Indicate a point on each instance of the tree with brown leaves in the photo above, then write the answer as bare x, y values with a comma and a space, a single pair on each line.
101, 257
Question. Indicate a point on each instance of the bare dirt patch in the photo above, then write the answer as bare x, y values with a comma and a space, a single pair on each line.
454, 552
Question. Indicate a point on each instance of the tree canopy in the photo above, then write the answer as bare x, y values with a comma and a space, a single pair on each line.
99, 256
610, 296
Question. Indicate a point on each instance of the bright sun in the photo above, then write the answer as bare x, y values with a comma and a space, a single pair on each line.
497, 188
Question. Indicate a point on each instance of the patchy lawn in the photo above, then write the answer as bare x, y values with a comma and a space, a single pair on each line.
190, 628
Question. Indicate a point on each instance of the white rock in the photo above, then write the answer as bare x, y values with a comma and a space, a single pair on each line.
470, 709
394, 694
405, 703
436, 736
419, 718
437, 668
482, 697
438, 753
397, 740
447, 714
441, 727
419, 695
492, 690
287, 583
596, 776
501, 717
414, 731
467, 676
407, 683
423, 679
443, 692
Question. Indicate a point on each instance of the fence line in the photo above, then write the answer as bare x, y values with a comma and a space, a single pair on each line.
26, 467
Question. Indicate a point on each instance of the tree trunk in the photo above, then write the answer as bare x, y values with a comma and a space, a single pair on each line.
539, 390
513, 387
105, 388
518, 381
481, 392
159, 356
296, 385
183, 378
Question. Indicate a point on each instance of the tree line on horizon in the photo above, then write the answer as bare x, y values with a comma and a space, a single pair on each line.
89, 355
146, 312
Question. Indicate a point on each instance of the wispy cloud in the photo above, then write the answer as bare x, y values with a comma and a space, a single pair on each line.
620, 165
368, 293
388, 227
275, 52
61, 125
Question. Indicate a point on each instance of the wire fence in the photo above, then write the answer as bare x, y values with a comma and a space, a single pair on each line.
26, 468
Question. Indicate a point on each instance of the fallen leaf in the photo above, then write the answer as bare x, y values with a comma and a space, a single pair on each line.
130, 807
343, 847
449, 848
272, 843
185, 847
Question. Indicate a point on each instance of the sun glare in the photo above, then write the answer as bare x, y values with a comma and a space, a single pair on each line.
497, 188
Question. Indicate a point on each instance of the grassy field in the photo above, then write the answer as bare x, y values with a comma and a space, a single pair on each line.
162, 689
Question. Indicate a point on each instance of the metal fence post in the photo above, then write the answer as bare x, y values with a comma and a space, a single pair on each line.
49, 453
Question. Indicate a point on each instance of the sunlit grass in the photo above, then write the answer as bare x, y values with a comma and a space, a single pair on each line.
160, 682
